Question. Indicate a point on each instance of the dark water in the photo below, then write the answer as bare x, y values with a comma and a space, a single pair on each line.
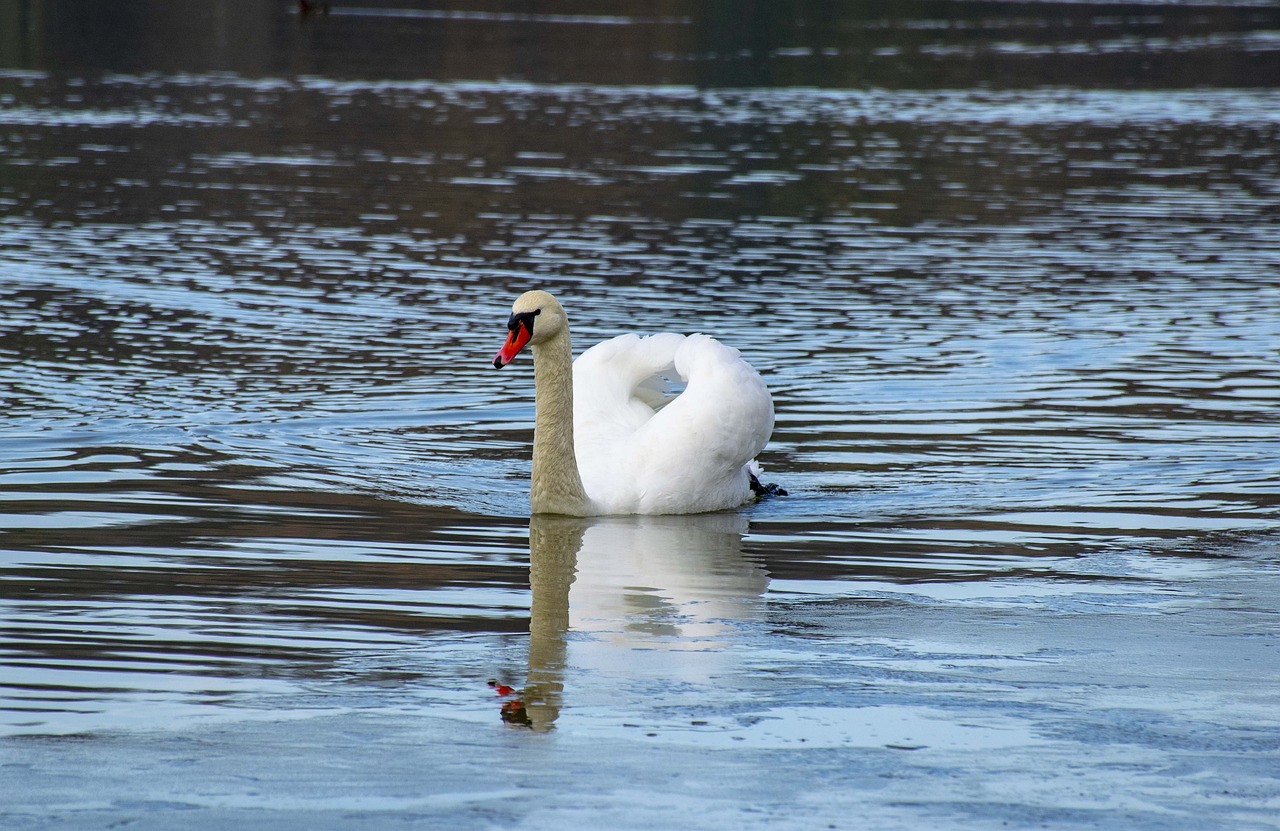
1010, 269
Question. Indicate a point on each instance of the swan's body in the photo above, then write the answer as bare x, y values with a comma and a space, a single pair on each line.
609, 439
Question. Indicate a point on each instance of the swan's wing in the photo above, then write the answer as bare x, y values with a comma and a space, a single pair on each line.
618, 385
713, 430
688, 455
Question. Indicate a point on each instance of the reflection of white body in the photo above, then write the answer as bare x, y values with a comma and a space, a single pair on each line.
666, 583
609, 436
634, 598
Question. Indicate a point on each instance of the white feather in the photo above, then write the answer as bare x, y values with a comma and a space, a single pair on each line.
642, 452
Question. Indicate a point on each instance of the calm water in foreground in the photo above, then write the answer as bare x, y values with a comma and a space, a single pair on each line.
1011, 271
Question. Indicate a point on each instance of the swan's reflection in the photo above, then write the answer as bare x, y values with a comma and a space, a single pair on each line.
644, 597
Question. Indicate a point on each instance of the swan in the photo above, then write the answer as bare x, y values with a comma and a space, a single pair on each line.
610, 439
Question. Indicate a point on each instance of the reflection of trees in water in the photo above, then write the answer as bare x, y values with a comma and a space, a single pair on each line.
716, 43
640, 589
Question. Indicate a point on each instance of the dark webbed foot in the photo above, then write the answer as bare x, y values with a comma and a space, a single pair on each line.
770, 489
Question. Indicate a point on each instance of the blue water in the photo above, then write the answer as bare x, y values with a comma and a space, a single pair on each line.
1008, 269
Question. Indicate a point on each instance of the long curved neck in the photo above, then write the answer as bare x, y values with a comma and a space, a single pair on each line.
556, 486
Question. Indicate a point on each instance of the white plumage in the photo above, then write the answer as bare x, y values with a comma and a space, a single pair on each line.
636, 449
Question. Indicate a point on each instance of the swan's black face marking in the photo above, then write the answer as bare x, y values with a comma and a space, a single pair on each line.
524, 319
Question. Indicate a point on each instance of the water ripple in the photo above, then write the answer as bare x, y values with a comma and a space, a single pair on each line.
1021, 341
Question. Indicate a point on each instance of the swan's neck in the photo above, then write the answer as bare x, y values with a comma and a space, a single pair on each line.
556, 487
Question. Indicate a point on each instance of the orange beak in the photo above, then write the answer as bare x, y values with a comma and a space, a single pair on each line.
516, 340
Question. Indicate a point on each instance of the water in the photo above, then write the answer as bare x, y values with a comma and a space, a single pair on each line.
1010, 271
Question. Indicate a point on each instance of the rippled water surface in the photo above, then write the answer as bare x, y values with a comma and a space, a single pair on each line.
1010, 270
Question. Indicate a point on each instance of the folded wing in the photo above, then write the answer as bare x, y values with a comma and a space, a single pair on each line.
645, 446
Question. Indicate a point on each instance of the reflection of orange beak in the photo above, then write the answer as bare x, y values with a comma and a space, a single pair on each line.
516, 339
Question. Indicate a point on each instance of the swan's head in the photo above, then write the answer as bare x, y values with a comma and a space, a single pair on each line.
536, 317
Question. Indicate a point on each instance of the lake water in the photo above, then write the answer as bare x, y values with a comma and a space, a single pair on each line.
1011, 270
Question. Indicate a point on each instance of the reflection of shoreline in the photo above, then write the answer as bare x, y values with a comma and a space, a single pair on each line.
640, 588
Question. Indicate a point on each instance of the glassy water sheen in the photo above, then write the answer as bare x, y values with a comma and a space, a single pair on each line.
1011, 271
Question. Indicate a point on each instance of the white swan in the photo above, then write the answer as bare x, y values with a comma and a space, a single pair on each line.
608, 439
